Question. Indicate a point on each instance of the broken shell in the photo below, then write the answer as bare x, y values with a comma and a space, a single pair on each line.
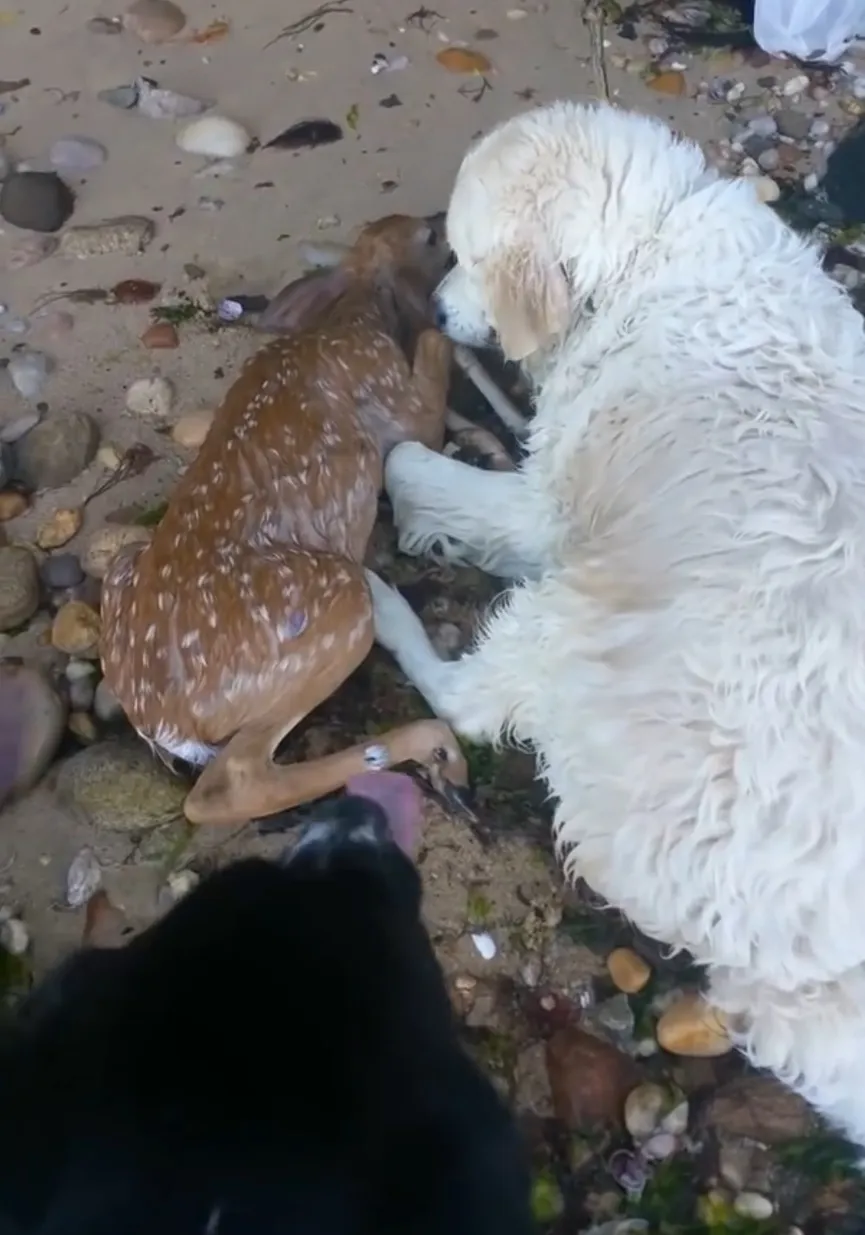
485, 945
215, 137
83, 878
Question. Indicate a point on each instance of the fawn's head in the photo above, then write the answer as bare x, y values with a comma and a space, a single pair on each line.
398, 260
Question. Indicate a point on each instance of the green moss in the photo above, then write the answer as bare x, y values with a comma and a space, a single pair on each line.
548, 1203
479, 908
152, 516
180, 312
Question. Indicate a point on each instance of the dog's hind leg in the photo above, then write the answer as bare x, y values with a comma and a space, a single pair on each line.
485, 519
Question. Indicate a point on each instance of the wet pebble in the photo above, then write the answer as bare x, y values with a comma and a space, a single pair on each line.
12, 505
793, 124
29, 372
77, 154
135, 291
753, 1205
763, 125
81, 694
692, 1028
152, 397
59, 529
62, 570
76, 629
160, 336
105, 705
36, 201
107, 542
30, 250
119, 786
19, 586
215, 137
589, 1079
629, 972
191, 429
45, 714
56, 451
154, 21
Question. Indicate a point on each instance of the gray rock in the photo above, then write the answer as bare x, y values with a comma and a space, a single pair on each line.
763, 125
12, 430
62, 570
118, 785
29, 372
793, 124
19, 586
106, 705
769, 159
761, 1109
124, 97
36, 201
56, 451
81, 694
43, 722
77, 154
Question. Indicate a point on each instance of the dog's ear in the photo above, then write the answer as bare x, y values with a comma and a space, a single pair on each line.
298, 304
528, 300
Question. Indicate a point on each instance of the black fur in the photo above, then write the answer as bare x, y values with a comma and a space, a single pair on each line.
277, 1055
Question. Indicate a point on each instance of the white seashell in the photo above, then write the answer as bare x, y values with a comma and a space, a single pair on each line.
753, 1205
83, 878
14, 937
216, 137
485, 945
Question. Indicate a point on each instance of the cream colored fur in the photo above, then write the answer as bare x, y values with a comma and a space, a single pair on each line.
685, 643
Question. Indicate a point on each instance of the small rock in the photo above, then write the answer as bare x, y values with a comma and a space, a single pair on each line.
44, 720
19, 586
159, 104
767, 189
181, 883
793, 124
105, 705
82, 693
105, 544
109, 457
81, 725
59, 530
124, 236
77, 154
30, 250
691, 1027
820, 129
589, 1079
154, 21
77, 670
796, 85
135, 291
152, 397
652, 1108
763, 125
14, 936
76, 629
29, 372
629, 972
191, 429
753, 1205
215, 137
12, 505
759, 1108
671, 83
660, 1146
83, 878
62, 570
124, 97
56, 450
160, 336
36, 201
117, 785
769, 159
16, 428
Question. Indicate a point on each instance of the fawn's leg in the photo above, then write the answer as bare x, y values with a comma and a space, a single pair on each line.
430, 380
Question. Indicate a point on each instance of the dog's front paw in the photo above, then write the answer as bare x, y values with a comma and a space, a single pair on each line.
410, 485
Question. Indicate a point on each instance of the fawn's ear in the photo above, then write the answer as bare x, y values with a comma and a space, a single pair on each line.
301, 302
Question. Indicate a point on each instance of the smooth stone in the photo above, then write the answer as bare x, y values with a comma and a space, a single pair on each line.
62, 570
81, 694
77, 154
12, 504
793, 124
192, 429
16, 428
106, 706
56, 450
29, 372
152, 397
124, 97
107, 542
43, 715
19, 586
629, 972
36, 201
119, 786
76, 629
215, 137
59, 529
691, 1027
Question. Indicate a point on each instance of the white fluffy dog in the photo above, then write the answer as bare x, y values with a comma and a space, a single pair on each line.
685, 643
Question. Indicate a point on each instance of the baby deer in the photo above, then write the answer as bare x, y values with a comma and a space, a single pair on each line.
251, 604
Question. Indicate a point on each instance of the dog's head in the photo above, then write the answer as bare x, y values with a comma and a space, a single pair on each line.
545, 210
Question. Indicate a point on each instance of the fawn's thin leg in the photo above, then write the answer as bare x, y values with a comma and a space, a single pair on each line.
430, 379
244, 783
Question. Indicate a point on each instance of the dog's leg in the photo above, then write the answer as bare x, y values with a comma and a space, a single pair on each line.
486, 519
479, 694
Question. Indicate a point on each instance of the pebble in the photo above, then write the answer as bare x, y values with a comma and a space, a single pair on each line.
46, 720
57, 450
59, 530
191, 429
12, 504
118, 786
79, 670
29, 372
181, 883
767, 189
660, 1146
796, 85
108, 456
36, 201
77, 154
14, 936
19, 586
692, 1028
769, 160
83, 878
124, 97
753, 1205
81, 695
858, 88
82, 726
106, 543
652, 1108
154, 21
629, 972
152, 397
30, 250
105, 704
124, 236
215, 137
819, 129
158, 104
792, 123
135, 291
160, 336
76, 629
589, 1079
763, 126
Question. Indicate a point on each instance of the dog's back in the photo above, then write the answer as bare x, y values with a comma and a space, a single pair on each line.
277, 1054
